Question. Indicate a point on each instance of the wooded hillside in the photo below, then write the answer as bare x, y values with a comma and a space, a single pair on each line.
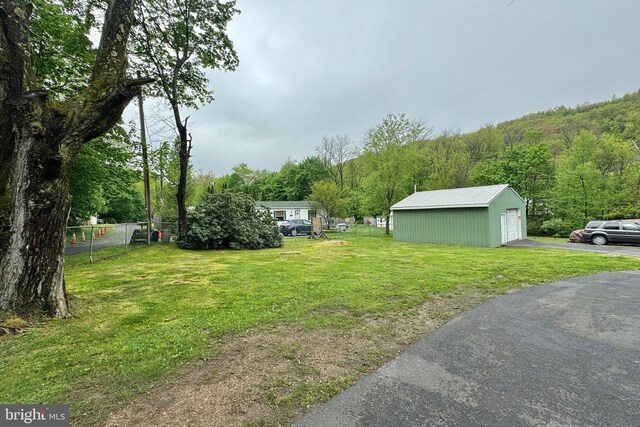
570, 164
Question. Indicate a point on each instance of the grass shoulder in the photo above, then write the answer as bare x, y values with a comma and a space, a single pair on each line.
547, 239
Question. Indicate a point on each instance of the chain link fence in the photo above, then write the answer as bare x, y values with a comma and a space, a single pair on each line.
89, 243
370, 230
105, 240
360, 230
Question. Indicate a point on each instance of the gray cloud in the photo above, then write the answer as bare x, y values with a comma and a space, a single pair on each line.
314, 68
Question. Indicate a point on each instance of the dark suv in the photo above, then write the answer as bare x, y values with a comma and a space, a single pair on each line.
296, 226
603, 232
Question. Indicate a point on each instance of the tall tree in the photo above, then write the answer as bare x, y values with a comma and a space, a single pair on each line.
167, 168
391, 161
175, 41
298, 177
241, 178
577, 196
483, 144
334, 152
270, 186
39, 141
327, 200
528, 168
448, 161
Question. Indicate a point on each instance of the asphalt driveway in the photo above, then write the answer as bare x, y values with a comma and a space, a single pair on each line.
562, 354
622, 250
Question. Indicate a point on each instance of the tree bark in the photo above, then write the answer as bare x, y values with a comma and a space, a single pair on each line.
386, 226
184, 155
39, 141
35, 204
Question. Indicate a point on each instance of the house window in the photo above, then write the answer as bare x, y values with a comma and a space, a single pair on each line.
279, 215
312, 213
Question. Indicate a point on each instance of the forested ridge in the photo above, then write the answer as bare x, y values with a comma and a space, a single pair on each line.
560, 122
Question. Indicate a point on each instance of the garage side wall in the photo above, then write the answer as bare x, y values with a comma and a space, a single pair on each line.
462, 226
506, 200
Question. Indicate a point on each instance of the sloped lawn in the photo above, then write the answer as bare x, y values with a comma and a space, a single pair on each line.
141, 316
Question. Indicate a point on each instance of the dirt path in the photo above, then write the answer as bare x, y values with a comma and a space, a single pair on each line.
271, 377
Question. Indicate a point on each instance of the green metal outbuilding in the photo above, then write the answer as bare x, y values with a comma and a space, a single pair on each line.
488, 216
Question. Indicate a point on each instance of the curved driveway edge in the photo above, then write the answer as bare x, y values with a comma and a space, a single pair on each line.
566, 353
617, 250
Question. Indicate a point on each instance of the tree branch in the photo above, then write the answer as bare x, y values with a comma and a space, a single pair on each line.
150, 54
139, 81
111, 60
96, 109
18, 75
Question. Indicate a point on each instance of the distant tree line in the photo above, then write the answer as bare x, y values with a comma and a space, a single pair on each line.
570, 165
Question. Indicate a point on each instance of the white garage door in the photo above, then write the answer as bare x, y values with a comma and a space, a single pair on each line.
513, 225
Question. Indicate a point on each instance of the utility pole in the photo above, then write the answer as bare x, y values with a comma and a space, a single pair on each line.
145, 165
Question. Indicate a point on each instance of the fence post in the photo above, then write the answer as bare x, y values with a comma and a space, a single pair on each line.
126, 240
91, 247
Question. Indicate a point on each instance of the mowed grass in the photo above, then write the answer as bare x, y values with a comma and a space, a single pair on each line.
546, 239
141, 316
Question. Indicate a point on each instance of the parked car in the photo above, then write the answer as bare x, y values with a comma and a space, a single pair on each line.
603, 232
295, 227
342, 227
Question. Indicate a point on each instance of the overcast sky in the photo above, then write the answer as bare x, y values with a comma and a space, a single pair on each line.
313, 68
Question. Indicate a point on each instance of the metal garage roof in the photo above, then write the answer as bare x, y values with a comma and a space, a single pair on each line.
296, 204
470, 197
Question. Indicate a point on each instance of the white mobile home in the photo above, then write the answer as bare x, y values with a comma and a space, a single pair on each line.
283, 211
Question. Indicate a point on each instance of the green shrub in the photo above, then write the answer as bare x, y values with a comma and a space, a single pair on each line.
628, 212
534, 226
559, 227
230, 221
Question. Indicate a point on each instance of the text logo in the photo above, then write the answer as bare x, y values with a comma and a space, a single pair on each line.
34, 415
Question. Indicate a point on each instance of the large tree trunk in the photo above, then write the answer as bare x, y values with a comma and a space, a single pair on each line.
39, 141
36, 204
181, 194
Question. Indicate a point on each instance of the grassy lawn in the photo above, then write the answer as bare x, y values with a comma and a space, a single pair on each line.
546, 239
100, 254
142, 316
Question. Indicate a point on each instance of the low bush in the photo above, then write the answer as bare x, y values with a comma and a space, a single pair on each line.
559, 227
230, 221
